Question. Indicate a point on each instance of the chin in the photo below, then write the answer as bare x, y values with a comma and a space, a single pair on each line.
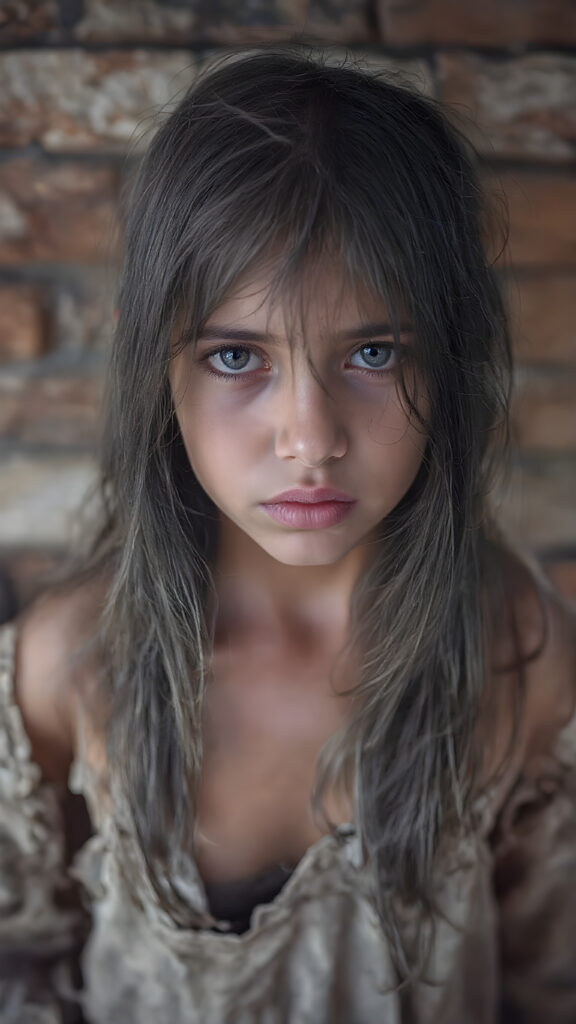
303, 554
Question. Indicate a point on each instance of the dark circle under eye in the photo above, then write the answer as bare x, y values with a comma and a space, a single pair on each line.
376, 356
234, 358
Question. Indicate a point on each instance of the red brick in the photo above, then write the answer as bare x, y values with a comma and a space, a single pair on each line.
71, 100
23, 20
485, 23
23, 326
41, 497
57, 411
541, 210
106, 21
57, 212
225, 21
543, 316
544, 412
522, 107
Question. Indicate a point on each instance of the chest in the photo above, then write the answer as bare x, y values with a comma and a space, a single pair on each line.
266, 720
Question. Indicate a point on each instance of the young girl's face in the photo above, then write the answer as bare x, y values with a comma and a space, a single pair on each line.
268, 403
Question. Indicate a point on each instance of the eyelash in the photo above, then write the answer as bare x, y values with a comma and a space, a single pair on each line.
247, 373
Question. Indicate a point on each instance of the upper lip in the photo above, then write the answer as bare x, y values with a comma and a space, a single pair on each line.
309, 495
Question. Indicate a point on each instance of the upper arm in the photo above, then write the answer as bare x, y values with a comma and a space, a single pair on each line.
46, 681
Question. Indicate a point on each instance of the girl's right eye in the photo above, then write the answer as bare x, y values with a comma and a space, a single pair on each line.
231, 361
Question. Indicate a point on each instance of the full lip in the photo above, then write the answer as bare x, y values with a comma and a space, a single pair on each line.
309, 496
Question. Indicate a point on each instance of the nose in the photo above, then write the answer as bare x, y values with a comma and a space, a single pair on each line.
309, 425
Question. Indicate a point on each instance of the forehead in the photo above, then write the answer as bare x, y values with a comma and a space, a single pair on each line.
321, 301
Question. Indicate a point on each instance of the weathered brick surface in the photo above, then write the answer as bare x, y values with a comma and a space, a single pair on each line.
23, 322
543, 316
521, 107
225, 22
57, 212
137, 20
23, 20
92, 105
53, 411
544, 412
485, 23
539, 508
69, 100
541, 214
40, 496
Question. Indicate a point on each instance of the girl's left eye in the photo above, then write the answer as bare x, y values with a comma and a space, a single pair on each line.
232, 361
375, 356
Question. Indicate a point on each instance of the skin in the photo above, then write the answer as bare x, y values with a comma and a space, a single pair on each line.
270, 424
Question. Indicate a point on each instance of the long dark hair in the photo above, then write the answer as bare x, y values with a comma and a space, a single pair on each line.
291, 153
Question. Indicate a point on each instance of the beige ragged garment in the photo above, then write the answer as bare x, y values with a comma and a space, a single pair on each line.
315, 954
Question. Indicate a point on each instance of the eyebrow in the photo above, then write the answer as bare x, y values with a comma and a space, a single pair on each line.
217, 332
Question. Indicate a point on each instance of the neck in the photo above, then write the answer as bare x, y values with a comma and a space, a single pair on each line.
259, 595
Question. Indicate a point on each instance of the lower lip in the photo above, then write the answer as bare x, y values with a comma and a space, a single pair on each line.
313, 516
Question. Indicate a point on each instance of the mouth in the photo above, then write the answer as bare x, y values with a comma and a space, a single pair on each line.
309, 509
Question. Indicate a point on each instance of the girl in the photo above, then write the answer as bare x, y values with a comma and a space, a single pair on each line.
321, 715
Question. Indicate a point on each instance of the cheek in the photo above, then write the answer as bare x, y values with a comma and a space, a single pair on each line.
202, 424
217, 445
395, 444
390, 422
223, 424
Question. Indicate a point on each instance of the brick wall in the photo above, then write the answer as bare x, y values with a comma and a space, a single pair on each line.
80, 82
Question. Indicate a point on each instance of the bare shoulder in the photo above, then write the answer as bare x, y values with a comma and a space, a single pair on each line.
51, 671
